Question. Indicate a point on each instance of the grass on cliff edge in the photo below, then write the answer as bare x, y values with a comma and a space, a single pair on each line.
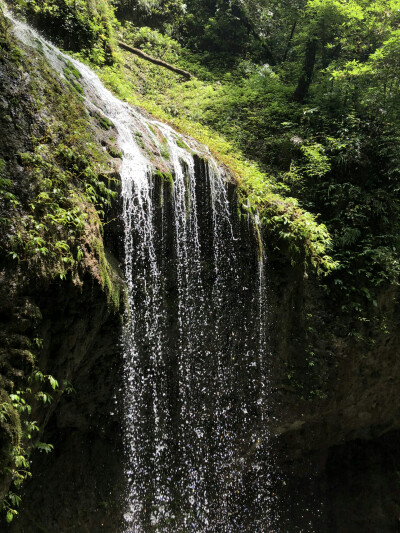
185, 105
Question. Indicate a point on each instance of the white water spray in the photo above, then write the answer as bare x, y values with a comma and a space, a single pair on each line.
195, 344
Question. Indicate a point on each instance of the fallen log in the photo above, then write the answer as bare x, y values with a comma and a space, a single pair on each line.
154, 60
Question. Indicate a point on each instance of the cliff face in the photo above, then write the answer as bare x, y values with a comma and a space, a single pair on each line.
334, 407
61, 290
337, 416
80, 343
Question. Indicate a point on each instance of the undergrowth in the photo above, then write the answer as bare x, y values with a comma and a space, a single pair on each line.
321, 170
182, 104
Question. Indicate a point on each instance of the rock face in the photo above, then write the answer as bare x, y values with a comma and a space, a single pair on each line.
80, 342
334, 407
59, 317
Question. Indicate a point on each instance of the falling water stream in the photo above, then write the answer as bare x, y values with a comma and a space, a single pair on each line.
195, 339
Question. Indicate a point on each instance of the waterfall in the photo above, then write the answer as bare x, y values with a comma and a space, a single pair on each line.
195, 341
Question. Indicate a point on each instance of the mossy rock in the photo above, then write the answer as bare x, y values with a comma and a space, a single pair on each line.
10, 430
165, 177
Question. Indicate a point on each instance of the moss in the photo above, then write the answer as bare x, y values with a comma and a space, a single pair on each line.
64, 167
70, 70
260, 245
65, 170
22, 359
150, 154
182, 145
165, 177
77, 86
164, 151
110, 281
114, 152
104, 122
139, 140
73, 75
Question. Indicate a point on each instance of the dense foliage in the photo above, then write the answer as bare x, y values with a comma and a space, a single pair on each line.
78, 25
310, 90
162, 14
307, 89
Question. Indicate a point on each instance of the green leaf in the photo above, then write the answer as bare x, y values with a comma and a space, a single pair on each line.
53, 382
43, 446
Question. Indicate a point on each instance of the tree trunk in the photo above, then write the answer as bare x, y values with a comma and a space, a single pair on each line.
154, 60
304, 82
289, 41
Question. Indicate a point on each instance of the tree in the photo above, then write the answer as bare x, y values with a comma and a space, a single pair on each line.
157, 14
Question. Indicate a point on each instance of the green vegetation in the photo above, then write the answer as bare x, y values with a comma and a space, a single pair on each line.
165, 14
307, 90
300, 100
78, 25
288, 223
54, 189
68, 186
310, 92
186, 107
16, 416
